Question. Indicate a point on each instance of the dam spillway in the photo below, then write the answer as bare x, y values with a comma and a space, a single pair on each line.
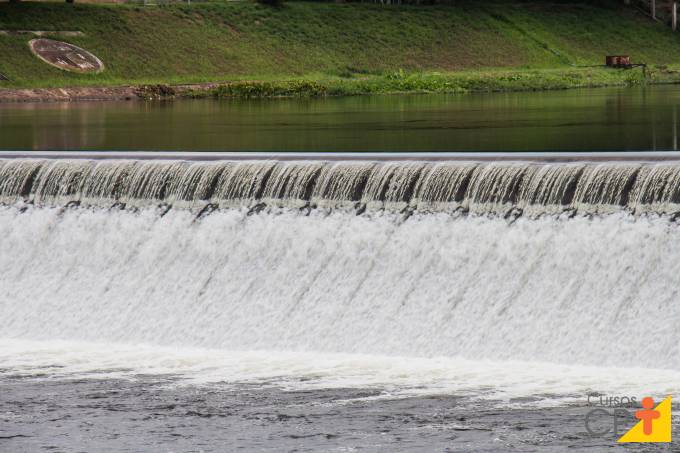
577, 289
504, 188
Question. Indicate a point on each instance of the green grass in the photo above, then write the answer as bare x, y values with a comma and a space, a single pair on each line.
436, 82
313, 48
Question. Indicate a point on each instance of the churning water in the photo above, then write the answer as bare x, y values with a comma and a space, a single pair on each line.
518, 283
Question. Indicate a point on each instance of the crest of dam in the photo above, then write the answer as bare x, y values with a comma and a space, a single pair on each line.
506, 188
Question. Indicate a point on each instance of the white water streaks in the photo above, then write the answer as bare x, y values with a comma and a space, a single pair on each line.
506, 188
595, 292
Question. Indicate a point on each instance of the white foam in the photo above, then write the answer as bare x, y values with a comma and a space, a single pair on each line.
543, 383
436, 299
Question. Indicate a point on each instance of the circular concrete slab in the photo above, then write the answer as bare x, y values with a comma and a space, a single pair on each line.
65, 56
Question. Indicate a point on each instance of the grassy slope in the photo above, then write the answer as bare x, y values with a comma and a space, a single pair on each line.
335, 43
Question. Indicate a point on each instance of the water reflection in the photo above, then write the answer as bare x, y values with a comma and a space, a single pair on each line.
603, 119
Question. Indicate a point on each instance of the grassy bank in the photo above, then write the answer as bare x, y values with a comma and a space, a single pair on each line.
312, 48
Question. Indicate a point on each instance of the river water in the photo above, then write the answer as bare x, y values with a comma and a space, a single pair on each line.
298, 307
571, 120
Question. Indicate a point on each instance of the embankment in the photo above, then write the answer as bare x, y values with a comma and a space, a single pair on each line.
311, 48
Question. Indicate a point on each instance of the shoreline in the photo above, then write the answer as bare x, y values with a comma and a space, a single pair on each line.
391, 83
104, 93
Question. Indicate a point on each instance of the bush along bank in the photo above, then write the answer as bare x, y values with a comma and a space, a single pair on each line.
402, 82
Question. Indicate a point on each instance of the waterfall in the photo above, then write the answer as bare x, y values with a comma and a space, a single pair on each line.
530, 188
575, 291
340, 267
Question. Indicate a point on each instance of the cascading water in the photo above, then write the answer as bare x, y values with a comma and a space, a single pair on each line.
550, 285
500, 188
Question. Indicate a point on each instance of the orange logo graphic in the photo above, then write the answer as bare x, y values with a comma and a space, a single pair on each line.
654, 424
647, 415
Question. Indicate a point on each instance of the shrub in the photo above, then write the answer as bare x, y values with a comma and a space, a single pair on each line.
159, 91
248, 90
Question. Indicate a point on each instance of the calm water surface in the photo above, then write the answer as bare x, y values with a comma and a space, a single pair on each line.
602, 119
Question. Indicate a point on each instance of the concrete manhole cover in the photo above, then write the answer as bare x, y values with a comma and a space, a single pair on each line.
65, 56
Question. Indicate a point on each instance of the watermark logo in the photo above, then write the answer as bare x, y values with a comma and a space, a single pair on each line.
612, 414
654, 425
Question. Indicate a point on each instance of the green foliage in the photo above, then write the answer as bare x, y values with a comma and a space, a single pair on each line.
295, 88
435, 82
158, 91
635, 77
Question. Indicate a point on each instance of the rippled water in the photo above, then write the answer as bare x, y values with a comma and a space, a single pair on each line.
149, 414
69, 396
